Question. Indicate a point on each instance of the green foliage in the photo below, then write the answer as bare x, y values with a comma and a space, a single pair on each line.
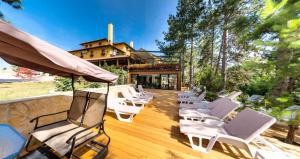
122, 74
207, 78
257, 85
63, 84
236, 76
93, 85
211, 96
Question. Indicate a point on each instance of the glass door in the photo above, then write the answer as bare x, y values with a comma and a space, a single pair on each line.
164, 82
169, 81
172, 82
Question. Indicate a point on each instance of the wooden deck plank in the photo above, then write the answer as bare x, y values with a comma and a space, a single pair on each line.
155, 133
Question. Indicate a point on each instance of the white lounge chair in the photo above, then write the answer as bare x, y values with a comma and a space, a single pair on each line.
191, 100
136, 94
187, 94
202, 104
239, 132
123, 111
221, 109
134, 101
233, 95
141, 90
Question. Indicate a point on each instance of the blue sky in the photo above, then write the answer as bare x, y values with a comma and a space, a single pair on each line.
67, 23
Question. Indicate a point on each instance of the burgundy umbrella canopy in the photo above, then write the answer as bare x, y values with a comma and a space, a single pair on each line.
25, 50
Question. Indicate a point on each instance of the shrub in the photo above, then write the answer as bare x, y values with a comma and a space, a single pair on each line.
63, 84
258, 85
122, 74
211, 96
207, 78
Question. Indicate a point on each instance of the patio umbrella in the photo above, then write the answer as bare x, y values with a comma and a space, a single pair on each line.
25, 50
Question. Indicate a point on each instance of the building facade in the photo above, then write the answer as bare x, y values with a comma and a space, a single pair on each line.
143, 67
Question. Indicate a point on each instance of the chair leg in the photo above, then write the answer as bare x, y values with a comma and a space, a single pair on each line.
129, 119
199, 146
27, 143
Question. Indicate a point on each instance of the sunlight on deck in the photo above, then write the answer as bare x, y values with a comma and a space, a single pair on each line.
154, 133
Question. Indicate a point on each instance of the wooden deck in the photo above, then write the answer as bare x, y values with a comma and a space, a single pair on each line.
154, 133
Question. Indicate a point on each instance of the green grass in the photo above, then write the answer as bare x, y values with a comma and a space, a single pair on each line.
19, 90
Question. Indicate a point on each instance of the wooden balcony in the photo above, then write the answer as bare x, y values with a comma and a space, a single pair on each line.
154, 67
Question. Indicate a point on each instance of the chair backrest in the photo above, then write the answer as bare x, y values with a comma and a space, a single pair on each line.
222, 110
140, 88
202, 96
234, 94
216, 103
87, 108
125, 93
95, 109
112, 101
78, 106
248, 124
132, 90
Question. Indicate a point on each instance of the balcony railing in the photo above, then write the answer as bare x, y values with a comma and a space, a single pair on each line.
154, 67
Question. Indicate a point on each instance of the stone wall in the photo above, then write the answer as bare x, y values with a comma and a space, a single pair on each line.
19, 113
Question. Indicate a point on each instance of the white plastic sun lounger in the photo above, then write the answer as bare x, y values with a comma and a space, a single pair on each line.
221, 109
136, 94
202, 104
188, 94
123, 111
141, 90
190, 100
134, 101
131, 92
233, 95
239, 132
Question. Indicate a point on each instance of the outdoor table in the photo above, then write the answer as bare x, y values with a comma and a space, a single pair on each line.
11, 142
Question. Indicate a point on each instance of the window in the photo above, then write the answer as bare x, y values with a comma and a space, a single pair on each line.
92, 54
103, 51
100, 43
90, 45
114, 53
82, 53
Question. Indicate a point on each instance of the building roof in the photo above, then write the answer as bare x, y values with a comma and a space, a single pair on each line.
104, 39
123, 43
97, 47
144, 55
108, 58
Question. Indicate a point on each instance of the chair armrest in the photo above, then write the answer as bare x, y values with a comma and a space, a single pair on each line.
36, 118
79, 132
231, 138
212, 118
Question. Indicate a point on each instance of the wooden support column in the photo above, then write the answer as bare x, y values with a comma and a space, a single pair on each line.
128, 62
117, 63
179, 81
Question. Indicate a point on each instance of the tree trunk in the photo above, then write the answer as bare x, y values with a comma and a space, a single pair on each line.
283, 59
182, 66
224, 58
191, 63
212, 48
290, 138
218, 60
